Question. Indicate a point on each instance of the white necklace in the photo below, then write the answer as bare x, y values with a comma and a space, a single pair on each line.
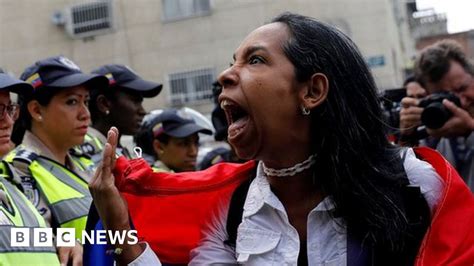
290, 171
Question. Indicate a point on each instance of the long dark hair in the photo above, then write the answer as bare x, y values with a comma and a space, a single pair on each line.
357, 166
23, 123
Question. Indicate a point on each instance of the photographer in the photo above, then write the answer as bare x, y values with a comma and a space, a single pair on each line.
410, 113
440, 68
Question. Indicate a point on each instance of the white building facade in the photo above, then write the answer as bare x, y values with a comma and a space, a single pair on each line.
186, 43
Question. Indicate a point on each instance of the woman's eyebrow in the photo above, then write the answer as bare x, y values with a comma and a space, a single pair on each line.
251, 49
76, 94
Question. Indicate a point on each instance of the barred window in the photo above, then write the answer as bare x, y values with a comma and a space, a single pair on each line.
90, 18
191, 87
182, 9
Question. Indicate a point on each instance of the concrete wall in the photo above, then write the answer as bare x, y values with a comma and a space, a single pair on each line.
156, 49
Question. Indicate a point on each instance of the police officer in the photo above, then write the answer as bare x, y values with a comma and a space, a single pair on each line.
15, 209
119, 105
55, 117
175, 141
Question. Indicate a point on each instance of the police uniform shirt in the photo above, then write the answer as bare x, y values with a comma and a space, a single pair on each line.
28, 184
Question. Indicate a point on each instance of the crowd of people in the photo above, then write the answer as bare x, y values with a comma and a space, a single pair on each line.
328, 187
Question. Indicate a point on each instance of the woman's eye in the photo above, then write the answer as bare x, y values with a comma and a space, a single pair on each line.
71, 102
255, 60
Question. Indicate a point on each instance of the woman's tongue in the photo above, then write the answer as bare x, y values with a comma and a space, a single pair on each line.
237, 127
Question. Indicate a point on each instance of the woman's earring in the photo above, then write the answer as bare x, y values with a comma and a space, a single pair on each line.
305, 111
107, 112
40, 118
161, 151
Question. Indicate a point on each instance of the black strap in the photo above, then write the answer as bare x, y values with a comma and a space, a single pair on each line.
236, 209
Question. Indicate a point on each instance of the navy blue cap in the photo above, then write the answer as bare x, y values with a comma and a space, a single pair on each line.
125, 77
176, 124
10, 83
59, 72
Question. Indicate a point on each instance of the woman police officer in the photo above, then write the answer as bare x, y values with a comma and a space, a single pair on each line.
55, 116
16, 211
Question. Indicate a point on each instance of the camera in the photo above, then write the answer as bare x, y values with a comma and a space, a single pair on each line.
390, 103
435, 114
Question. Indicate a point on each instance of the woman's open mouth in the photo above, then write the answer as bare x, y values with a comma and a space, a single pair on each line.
237, 118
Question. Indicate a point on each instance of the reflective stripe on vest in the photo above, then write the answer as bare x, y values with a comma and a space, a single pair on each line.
23, 211
66, 193
26, 216
84, 164
5, 243
64, 208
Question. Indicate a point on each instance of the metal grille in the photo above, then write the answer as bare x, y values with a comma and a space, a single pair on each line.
182, 9
89, 19
191, 87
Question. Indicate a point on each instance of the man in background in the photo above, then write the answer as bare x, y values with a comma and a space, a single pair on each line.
444, 66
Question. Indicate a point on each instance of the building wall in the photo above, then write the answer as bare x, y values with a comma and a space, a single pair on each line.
466, 39
156, 49
430, 24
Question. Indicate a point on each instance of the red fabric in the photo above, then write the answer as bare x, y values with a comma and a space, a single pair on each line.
169, 209
450, 238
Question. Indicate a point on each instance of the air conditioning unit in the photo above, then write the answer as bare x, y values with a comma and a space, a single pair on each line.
89, 19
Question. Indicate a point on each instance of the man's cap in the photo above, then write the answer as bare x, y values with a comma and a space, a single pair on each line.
59, 72
125, 77
177, 124
10, 83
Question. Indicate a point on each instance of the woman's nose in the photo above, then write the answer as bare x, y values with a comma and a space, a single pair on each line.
84, 113
228, 77
193, 150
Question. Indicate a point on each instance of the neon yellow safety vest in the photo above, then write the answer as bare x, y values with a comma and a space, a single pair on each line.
90, 151
159, 167
84, 163
66, 193
20, 212
161, 170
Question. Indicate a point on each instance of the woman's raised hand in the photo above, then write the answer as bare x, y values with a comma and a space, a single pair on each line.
112, 208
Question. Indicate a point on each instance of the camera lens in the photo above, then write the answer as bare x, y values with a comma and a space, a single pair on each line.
435, 115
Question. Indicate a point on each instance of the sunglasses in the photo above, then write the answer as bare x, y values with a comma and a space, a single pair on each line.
13, 110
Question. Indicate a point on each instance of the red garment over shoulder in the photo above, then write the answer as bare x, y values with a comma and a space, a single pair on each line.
170, 209
450, 237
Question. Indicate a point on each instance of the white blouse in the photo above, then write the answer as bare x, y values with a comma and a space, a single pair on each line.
265, 236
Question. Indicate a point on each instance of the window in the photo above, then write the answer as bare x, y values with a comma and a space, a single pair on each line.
182, 9
90, 19
191, 87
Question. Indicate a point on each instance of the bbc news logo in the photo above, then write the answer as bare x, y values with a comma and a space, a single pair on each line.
65, 237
